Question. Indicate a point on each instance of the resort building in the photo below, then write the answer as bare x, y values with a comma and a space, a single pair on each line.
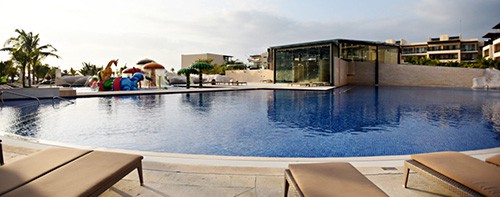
258, 61
187, 60
444, 48
330, 62
491, 50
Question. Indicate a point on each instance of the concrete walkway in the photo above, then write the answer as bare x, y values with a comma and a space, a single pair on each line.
166, 175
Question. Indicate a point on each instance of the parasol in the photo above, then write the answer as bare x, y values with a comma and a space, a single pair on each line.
145, 61
154, 66
132, 70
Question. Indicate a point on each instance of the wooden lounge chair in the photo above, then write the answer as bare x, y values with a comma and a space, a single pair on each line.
495, 159
329, 179
460, 173
66, 172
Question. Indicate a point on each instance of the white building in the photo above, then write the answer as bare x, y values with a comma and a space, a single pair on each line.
444, 48
491, 50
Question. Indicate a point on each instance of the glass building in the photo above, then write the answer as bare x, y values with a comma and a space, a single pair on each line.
314, 61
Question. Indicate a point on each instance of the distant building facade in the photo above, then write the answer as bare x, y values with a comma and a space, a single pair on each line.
188, 59
491, 50
258, 61
444, 48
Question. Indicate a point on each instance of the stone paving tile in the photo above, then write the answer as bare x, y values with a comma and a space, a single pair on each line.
127, 188
392, 184
164, 179
269, 185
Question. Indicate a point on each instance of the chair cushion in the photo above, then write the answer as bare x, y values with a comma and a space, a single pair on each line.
469, 171
332, 179
82, 177
494, 159
19, 172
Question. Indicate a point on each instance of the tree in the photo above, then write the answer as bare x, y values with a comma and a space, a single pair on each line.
201, 66
4, 66
25, 50
187, 72
72, 71
120, 70
218, 69
12, 73
40, 71
89, 69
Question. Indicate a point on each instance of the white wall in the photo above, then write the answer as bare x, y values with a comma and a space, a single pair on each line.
250, 75
415, 75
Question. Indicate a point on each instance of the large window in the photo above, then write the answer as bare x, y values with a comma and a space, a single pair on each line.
357, 52
308, 64
388, 55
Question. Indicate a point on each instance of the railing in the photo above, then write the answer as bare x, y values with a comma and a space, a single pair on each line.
61, 98
18, 94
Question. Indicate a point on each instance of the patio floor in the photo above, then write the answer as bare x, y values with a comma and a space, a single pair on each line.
173, 179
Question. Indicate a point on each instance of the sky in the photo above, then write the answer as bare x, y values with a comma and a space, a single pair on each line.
96, 31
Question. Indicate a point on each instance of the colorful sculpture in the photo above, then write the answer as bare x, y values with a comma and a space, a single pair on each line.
107, 72
108, 83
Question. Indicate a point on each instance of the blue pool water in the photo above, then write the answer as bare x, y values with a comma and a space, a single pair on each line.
349, 121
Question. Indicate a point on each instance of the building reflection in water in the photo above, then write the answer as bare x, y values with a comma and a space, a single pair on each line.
365, 109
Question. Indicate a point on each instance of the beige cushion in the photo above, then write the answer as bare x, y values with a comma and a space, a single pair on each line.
494, 159
332, 179
469, 171
17, 173
82, 177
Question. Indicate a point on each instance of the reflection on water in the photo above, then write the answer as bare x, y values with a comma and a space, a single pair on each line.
199, 102
348, 121
364, 109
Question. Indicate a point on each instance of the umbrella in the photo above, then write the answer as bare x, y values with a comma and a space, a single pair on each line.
145, 61
187, 72
132, 70
154, 66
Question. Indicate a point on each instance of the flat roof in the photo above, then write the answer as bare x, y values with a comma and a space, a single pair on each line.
208, 54
492, 35
496, 26
334, 41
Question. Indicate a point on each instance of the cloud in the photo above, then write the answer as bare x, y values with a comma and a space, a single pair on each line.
97, 31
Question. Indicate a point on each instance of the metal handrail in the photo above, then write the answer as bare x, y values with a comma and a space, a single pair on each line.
18, 94
60, 98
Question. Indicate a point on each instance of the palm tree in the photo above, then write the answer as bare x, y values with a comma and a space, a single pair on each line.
187, 72
201, 66
89, 69
4, 66
40, 71
72, 72
26, 51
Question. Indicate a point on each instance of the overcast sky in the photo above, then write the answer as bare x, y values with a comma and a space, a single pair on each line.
97, 31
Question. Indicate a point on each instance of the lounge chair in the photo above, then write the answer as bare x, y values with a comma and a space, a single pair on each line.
460, 173
329, 179
66, 172
495, 159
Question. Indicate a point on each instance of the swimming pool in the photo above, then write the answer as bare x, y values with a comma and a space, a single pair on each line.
348, 121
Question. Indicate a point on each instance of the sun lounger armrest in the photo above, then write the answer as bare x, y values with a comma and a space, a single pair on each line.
437, 177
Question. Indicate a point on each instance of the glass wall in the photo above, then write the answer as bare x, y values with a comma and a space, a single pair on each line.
308, 64
387, 55
358, 52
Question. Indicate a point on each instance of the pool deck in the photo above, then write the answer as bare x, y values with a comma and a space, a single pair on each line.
169, 174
